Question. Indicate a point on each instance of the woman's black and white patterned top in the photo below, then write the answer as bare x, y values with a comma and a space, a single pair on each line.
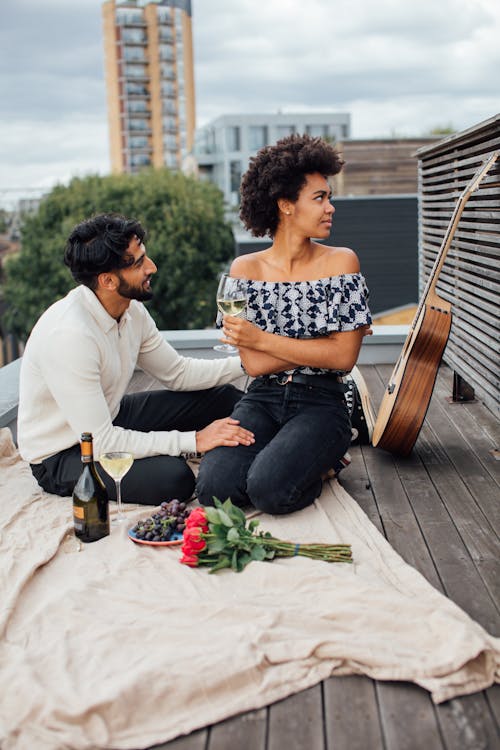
308, 309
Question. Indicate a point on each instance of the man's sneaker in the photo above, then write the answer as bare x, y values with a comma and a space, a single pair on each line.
360, 408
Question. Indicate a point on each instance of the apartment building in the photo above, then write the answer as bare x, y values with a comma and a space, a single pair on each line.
150, 83
224, 146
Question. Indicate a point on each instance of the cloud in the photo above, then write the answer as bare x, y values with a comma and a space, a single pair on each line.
342, 51
397, 67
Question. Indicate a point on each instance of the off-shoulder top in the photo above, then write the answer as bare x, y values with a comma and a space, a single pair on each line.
308, 309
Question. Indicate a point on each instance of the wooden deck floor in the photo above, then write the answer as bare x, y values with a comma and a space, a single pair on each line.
439, 508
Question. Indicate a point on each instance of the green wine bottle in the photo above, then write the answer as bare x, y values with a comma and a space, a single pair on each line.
90, 498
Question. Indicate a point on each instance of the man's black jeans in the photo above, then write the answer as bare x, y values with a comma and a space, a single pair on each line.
150, 480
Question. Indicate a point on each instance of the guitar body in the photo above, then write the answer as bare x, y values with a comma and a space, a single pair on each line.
409, 391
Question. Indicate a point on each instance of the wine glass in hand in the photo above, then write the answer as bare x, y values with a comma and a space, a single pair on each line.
116, 464
231, 300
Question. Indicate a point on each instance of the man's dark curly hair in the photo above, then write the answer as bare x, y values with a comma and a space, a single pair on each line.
99, 244
280, 171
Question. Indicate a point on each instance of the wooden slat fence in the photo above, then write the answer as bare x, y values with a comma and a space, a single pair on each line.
470, 278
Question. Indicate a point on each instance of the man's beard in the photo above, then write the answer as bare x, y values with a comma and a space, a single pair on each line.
133, 292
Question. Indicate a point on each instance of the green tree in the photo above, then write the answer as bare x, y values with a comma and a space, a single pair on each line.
4, 221
442, 130
188, 239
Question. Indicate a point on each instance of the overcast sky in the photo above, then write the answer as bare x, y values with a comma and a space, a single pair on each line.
399, 67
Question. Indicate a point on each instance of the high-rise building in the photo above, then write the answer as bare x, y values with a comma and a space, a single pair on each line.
150, 83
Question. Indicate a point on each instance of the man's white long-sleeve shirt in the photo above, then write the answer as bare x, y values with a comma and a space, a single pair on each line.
76, 368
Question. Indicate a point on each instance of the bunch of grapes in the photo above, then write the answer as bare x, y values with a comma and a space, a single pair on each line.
166, 524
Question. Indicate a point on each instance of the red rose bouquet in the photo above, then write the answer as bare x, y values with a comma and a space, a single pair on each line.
221, 537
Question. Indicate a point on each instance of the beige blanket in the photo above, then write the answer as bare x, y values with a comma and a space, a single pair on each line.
116, 645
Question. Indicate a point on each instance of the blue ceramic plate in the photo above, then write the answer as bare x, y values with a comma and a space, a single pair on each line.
175, 541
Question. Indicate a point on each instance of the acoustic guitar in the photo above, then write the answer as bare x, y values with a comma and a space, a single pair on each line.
410, 387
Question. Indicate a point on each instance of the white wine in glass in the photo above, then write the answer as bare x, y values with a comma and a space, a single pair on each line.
116, 464
231, 299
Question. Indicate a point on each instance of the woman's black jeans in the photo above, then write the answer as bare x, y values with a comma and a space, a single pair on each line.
300, 431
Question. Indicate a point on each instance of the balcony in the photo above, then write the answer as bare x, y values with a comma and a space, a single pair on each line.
138, 72
436, 508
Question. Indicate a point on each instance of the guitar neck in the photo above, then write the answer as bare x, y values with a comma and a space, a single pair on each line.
430, 287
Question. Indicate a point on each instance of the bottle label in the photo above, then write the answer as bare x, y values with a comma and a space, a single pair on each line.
78, 512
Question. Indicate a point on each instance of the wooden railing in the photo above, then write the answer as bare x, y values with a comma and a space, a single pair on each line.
470, 278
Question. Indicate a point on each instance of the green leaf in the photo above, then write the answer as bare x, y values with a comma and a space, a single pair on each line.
235, 513
224, 518
212, 515
258, 552
238, 516
234, 560
243, 561
233, 535
223, 562
253, 524
218, 530
217, 545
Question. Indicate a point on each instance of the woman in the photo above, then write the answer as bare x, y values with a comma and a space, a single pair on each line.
306, 317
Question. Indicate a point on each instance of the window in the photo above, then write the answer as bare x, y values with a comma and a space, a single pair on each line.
167, 71
137, 105
257, 137
168, 106
137, 89
167, 89
170, 142
164, 16
138, 141
166, 35
166, 52
134, 36
283, 130
235, 175
135, 71
169, 123
171, 159
317, 131
140, 160
233, 138
125, 16
138, 125
134, 54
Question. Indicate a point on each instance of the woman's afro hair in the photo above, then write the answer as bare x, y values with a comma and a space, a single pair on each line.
280, 171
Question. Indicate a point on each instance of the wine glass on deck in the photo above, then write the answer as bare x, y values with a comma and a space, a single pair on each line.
116, 464
231, 299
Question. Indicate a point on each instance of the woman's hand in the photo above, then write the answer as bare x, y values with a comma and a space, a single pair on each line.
338, 350
240, 332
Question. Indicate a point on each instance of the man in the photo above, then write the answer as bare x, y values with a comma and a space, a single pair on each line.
78, 363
